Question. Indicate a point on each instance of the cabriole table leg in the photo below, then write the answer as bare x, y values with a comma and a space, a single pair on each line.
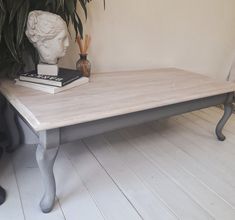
228, 110
46, 154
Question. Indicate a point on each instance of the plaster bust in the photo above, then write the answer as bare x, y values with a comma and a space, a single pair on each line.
49, 34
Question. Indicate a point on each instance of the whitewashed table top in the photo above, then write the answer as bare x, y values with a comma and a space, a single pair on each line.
110, 94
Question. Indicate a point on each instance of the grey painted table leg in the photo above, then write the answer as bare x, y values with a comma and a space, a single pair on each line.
46, 154
12, 127
228, 110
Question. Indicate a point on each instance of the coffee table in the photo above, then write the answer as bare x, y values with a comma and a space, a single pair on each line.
110, 101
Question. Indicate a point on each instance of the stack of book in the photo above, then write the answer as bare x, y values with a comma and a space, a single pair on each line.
66, 79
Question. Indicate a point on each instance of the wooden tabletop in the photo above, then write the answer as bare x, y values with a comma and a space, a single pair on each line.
110, 94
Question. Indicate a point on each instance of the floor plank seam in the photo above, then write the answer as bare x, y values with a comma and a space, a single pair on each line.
21, 202
113, 180
205, 185
199, 180
211, 190
67, 156
173, 180
226, 129
208, 187
196, 144
181, 148
146, 185
57, 199
208, 121
155, 193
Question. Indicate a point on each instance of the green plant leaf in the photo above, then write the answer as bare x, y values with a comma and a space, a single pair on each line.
50, 5
16, 69
22, 16
69, 4
9, 40
14, 9
78, 25
2, 7
60, 5
83, 5
2, 18
32, 52
37, 5
9, 4
5, 61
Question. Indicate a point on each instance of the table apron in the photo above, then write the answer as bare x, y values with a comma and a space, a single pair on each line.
76, 132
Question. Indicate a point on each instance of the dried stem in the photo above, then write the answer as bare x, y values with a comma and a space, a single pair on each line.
79, 41
84, 46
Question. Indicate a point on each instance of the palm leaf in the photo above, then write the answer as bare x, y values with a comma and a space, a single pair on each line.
15, 70
70, 6
9, 40
32, 52
60, 5
50, 5
83, 5
22, 16
9, 4
78, 24
14, 9
2, 17
2, 5
37, 5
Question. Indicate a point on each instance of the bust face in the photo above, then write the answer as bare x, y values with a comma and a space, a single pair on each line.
49, 35
50, 50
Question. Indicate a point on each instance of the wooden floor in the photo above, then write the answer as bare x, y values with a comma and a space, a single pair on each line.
168, 169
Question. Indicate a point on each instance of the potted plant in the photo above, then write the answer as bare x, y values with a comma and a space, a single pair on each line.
13, 18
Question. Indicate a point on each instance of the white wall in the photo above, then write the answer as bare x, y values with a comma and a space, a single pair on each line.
197, 35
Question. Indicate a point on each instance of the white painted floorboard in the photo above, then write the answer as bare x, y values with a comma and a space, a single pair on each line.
164, 170
198, 191
30, 185
12, 209
157, 181
70, 188
148, 205
110, 200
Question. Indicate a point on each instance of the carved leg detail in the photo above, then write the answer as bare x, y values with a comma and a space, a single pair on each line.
228, 110
46, 159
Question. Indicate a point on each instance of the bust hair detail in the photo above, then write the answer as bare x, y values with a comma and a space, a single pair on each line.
41, 26
49, 35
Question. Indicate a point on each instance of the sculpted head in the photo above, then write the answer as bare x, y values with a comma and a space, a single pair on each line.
49, 35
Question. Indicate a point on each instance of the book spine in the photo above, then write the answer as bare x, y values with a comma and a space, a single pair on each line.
40, 81
71, 80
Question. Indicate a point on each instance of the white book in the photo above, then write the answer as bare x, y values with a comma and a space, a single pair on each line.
52, 89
